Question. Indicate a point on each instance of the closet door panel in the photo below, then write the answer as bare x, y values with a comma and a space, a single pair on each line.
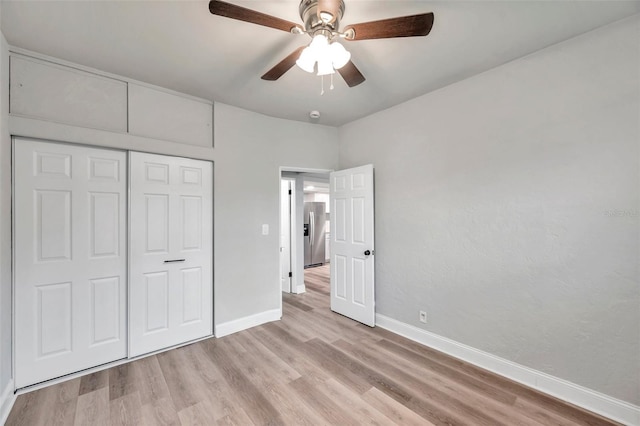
70, 263
171, 291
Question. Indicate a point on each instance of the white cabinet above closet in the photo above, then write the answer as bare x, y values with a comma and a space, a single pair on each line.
52, 92
73, 95
163, 115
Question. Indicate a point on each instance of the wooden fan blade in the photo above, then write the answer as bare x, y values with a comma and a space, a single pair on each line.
329, 6
351, 74
232, 11
283, 66
403, 26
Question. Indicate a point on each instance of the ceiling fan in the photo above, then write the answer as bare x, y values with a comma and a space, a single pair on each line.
321, 21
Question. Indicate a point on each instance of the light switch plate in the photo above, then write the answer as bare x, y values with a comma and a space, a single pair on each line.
265, 229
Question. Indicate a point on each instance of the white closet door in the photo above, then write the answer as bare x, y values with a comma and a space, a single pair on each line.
70, 258
171, 228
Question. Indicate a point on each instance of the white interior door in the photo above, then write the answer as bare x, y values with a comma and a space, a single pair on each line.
70, 258
285, 235
352, 244
171, 249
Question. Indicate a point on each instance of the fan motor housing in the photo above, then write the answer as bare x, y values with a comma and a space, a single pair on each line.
309, 14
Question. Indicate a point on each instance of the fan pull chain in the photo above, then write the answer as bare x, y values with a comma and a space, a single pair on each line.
331, 87
321, 85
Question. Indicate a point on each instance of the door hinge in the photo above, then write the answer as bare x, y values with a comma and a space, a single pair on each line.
289, 192
290, 274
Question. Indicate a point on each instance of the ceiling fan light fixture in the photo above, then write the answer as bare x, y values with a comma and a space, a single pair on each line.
329, 57
322, 18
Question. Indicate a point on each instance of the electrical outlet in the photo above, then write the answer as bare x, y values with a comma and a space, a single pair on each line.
423, 316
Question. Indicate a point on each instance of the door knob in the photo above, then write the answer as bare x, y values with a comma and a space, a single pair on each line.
367, 252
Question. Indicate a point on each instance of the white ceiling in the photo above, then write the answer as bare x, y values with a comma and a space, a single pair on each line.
181, 46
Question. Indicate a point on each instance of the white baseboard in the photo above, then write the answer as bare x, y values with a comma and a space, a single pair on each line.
301, 289
240, 324
7, 399
591, 400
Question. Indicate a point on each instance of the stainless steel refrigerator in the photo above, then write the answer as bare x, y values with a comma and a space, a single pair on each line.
314, 239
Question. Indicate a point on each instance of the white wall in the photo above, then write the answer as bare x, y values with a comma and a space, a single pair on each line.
5, 221
507, 206
249, 149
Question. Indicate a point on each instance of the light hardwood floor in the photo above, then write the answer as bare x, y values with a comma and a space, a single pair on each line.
312, 368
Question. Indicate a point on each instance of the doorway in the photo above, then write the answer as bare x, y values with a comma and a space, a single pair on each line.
349, 229
300, 188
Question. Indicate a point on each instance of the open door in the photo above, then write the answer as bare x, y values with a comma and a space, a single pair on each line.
352, 244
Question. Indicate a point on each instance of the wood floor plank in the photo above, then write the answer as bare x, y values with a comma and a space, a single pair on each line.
318, 330
216, 390
299, 333
323, 404
126, 410
290, 354
312, 368
160, 412
262, 355
290, 406
354, 404
121, 381
93, 408
150, 382
94, 381
396, 412
324, 360
238, 418
257, 407
292, 301
181, 378
199, 414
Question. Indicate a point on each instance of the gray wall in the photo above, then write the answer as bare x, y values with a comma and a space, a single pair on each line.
5, 221
249, 149
507, 206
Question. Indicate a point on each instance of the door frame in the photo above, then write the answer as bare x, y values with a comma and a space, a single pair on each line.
297, 256
286, 221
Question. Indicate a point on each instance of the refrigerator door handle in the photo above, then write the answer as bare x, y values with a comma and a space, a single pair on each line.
312, 225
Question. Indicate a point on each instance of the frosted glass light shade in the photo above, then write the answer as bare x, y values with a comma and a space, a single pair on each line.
339, 55
307, 60
325, 66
